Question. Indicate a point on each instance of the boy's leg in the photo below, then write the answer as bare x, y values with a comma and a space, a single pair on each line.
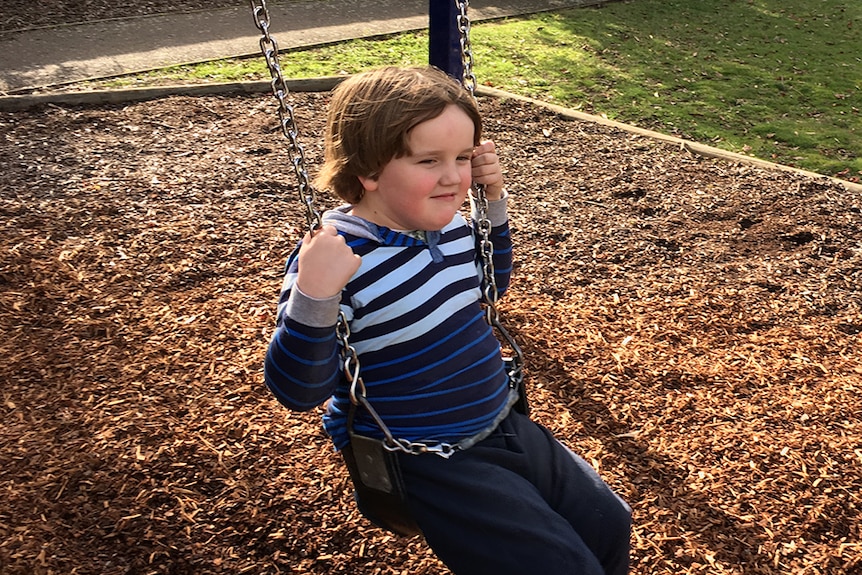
598, 514
491, 509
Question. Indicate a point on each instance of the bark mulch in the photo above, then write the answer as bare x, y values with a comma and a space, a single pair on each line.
691, 326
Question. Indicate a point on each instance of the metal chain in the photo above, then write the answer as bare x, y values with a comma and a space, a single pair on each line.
469, 78
356, 391
486, 248
308, 196
307, 193
269, 49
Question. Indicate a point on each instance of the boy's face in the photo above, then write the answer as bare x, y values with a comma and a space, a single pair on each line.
424, 189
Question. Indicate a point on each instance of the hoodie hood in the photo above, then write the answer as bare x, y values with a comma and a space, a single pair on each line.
352, 225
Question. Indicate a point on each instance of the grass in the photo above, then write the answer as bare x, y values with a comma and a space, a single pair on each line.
776, 79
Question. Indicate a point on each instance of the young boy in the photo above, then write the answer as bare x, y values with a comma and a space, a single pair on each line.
400, 261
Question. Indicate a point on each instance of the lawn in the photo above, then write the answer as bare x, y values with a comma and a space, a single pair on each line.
776, 79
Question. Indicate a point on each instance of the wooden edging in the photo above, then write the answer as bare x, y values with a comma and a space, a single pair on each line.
125, 96
324, 84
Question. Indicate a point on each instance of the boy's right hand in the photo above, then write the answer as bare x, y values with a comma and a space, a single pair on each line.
326, 264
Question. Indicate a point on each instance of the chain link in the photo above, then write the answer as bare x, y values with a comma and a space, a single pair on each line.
287, 121
444, 450
350, 360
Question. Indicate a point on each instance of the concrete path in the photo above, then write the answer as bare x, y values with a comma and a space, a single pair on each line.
45, 57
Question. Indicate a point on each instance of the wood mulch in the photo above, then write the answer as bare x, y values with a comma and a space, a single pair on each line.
691, 327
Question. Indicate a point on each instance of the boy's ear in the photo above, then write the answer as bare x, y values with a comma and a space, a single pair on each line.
369, 183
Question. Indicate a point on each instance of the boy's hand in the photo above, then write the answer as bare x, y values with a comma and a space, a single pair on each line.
326, 264
487, 170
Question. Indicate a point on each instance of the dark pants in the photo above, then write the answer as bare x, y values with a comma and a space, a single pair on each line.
518, 502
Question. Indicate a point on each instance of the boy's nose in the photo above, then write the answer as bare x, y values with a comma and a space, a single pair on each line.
451, 175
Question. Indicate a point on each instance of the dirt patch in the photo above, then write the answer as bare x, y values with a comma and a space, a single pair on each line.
692, 327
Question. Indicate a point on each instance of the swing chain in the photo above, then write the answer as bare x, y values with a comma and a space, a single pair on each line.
349, 357
357, 394
469, 78
307, 194
287, 121
486, 248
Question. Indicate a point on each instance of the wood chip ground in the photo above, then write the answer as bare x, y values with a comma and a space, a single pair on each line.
691, 327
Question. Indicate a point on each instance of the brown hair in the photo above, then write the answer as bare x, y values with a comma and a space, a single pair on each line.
371, 115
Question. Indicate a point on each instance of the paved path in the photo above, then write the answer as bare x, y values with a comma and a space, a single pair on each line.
50, 56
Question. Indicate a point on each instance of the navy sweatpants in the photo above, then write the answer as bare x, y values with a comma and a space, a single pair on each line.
518, 502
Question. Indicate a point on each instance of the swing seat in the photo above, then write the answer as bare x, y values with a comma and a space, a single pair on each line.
376, 474
378, 488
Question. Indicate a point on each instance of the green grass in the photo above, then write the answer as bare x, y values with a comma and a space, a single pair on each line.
776, 79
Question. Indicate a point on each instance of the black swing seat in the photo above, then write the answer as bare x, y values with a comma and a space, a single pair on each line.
379, 491
376, 474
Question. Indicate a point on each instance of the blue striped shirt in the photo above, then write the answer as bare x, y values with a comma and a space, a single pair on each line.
431, 365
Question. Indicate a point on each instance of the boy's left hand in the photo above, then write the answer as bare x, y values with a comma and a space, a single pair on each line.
487, 170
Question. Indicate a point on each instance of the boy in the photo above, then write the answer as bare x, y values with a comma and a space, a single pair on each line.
400, 261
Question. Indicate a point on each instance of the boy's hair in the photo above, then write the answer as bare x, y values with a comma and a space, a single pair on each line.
371, 115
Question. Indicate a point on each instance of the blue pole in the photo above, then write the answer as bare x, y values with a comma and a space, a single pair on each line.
444, 38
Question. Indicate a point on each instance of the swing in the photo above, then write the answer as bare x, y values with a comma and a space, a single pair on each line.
373, 463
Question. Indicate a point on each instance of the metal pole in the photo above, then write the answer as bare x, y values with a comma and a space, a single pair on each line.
444, 38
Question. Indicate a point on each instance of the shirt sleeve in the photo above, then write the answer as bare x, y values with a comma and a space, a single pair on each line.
302, 365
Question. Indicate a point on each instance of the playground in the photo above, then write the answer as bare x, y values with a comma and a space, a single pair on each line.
691, 326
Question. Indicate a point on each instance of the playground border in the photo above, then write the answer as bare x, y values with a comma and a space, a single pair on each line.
327, 83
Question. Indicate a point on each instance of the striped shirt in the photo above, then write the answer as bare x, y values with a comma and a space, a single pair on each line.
431, 365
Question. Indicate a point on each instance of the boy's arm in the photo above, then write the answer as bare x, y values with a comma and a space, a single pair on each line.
302, 361
302, 365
